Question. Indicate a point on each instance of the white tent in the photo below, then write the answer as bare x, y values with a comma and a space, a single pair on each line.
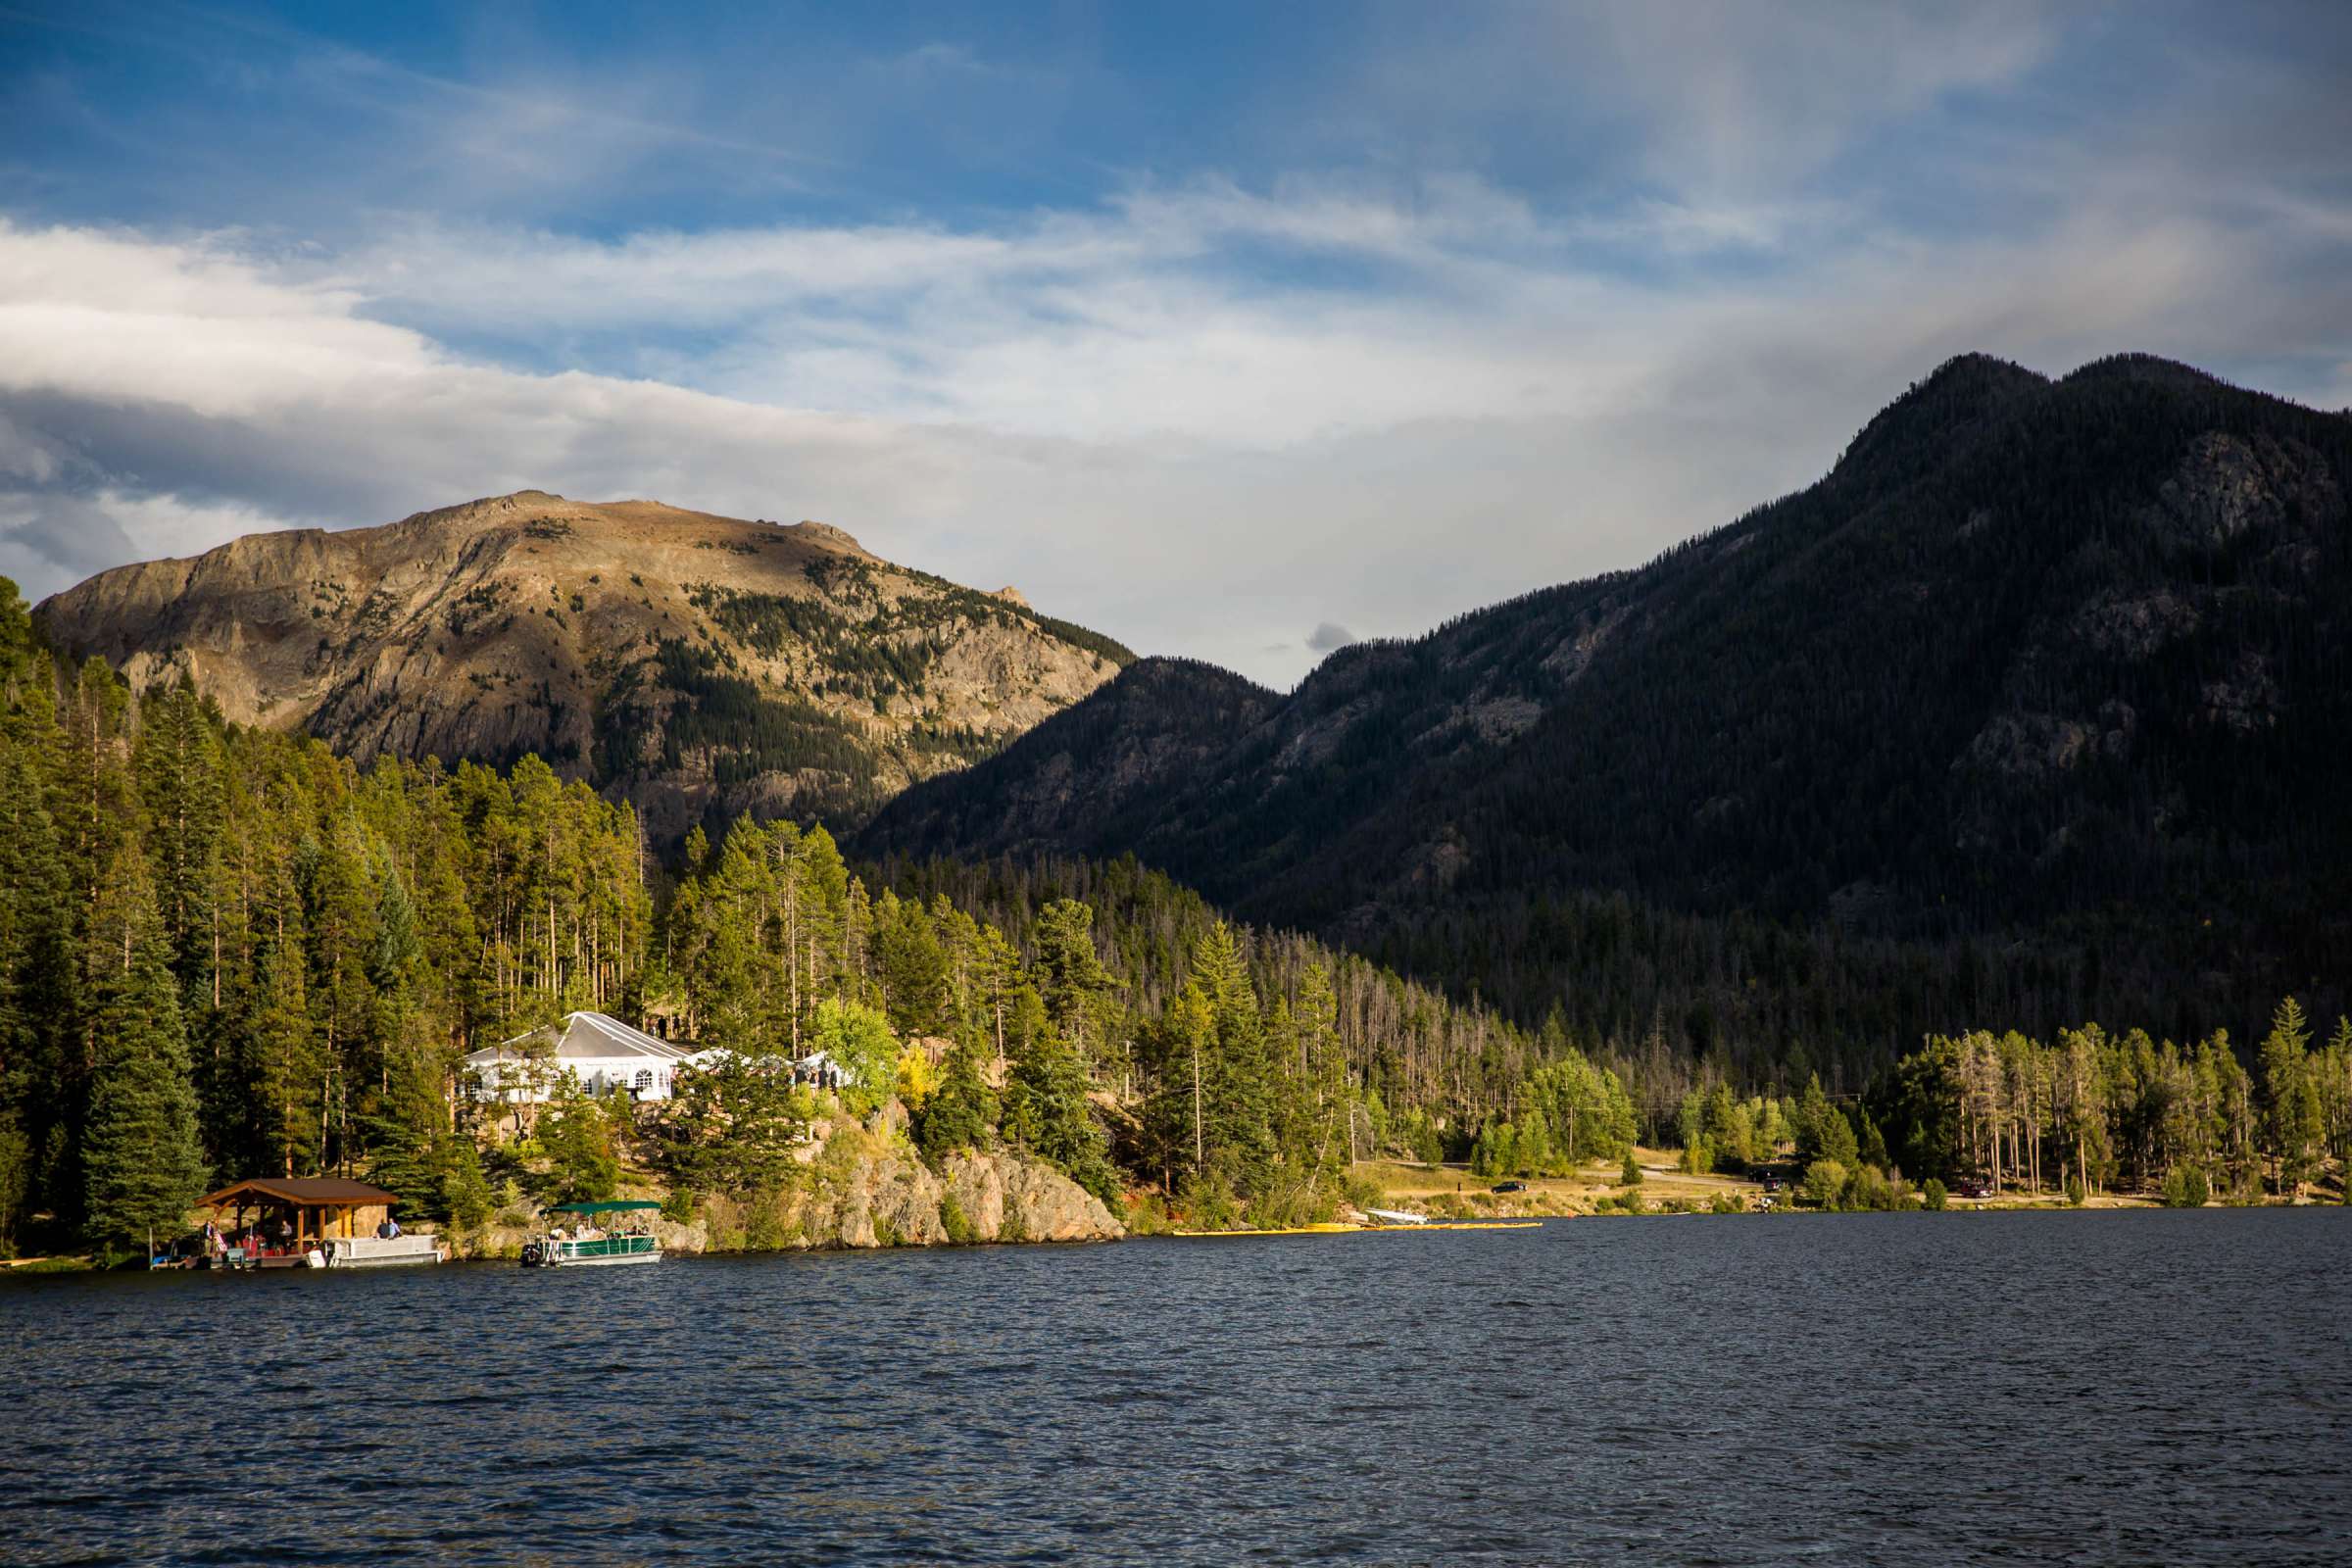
817, 1067
601, 1052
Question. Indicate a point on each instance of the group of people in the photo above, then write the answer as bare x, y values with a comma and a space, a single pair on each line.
213, 1245
268, 1236
263, 1236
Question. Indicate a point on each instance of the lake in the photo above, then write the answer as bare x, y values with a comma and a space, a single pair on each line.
2089, 1388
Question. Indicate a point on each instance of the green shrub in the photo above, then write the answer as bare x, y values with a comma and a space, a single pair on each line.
953, 1220
1872, 1189
2185, 1187
2075, 1195
1208, 1203
860, 1040
1825, 1183
1630, 1175
768, 1223
1288, 1205
1933, 1196
465, 1190
1727, 1204
1147, 1215
1428, 1147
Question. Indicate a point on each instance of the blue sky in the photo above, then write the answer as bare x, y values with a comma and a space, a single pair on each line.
1229, 331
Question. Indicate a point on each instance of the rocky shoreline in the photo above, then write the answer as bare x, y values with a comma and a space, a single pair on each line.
877, 1200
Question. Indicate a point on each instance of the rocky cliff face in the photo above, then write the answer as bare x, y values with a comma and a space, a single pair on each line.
887, 1198
684, 660
867, 1191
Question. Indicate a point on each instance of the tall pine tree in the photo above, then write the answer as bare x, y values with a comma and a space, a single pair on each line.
141, 1159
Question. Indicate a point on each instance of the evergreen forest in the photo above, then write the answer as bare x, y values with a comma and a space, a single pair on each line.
228, 952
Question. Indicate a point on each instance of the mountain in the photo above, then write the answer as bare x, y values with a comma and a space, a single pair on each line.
2034, 705
695, 664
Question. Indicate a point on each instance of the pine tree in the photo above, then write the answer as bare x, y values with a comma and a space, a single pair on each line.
277, 1058
1176, 1111
2335, 1096
911, 965
961, 1111
2288, 1109
178, 764
39, 985
142, 1161
1047, 1103
1070, 976
1236, 1127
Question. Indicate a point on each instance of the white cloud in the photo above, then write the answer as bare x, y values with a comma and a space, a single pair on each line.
1406, 408
76, 535
1733, 95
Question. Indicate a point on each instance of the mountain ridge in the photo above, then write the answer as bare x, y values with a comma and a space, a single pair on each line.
2032, 651
695, 664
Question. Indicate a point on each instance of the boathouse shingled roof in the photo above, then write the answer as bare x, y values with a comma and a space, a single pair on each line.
330, 1191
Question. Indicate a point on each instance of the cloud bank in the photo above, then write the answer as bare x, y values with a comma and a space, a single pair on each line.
1200, 410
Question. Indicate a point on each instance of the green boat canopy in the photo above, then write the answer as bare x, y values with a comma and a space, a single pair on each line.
611, 1206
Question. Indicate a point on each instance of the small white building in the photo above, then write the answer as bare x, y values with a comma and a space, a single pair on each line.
601, 1051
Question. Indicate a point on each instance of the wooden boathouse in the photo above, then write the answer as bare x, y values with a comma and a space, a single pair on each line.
293, 1214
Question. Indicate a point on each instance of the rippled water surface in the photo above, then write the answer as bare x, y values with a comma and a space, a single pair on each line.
2089, 1388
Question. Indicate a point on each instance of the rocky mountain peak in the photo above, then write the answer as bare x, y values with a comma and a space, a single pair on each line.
830, 537
692, 663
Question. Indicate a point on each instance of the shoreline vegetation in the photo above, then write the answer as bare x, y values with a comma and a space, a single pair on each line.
228, 952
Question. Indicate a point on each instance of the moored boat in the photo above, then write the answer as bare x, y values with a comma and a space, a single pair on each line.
586, 1243
381, 1252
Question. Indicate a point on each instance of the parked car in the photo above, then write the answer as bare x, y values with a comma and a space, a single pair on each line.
1510, 1187
1972, 1187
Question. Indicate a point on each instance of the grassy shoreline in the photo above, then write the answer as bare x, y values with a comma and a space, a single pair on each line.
1595, 1189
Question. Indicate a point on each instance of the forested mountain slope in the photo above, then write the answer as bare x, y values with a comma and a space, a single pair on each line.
697, 665
227, 951
2033, 707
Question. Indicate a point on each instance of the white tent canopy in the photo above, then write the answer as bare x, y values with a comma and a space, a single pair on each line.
600, 1051
817, 1067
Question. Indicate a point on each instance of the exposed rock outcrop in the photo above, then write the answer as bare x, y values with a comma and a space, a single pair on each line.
867, 1195
887, 1197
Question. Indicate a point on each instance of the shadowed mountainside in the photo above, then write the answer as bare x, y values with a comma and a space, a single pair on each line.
2031, 707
